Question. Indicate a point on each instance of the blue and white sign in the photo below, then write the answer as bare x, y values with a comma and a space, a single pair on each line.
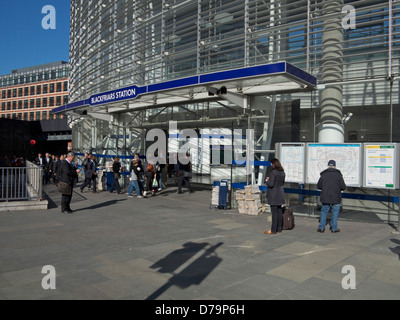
113, 96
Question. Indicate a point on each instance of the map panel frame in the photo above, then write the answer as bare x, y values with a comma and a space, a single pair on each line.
295, 169
348, 157
376, 167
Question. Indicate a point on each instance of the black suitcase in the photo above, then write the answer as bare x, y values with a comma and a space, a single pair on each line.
288, 218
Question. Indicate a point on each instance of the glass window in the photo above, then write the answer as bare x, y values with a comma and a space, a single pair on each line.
20, 92
14, 105
3, 106
58, 101
38, 103
31, 116
32, 91
44, 102
3, 94
58, 86
8, 105
51, 87
45, 88
38, 89
37, 115
20, 104
26, 91
14, 93
32, 103
51, 102
25, 104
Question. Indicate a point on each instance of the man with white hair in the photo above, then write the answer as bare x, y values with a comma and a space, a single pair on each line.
331, 184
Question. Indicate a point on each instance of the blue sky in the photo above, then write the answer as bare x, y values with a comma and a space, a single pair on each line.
23, 41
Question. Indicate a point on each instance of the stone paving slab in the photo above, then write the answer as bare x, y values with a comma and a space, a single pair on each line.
174, 247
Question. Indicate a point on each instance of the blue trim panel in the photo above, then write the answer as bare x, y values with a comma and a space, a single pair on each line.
174, 84
298, 73
244, 72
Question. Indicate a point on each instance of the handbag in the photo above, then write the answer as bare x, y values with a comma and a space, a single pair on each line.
64, 187
155, 183
187, 174
116, 175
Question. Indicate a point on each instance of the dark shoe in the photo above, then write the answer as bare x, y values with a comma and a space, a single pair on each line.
67, 211
321, 230
81, 190
338, 230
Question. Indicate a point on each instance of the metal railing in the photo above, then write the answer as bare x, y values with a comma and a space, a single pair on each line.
21, 183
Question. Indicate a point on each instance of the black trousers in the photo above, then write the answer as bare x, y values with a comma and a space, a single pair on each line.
66, 201
88, 181
182, 179
277, 218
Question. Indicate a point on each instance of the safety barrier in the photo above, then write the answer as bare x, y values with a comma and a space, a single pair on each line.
21, 183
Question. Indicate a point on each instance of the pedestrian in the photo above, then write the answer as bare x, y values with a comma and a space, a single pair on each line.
140, 177
116, 175
133, 184
68, 173
331, 184
150, 176
39, 160
84, 163
184, 173
90, 173
275, 195
53, 168
58, 168
47, 167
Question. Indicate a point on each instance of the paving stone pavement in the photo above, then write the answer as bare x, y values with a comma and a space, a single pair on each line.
173, 247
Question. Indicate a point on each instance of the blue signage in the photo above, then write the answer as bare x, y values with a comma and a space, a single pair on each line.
114, 95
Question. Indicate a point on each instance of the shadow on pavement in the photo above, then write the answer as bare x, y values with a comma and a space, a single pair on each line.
194, 273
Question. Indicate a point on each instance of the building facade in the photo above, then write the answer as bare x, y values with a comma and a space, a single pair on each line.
31, 93
351, 47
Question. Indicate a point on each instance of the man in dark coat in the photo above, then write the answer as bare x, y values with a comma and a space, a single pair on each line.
47, 164
331, 184
68, 174
90, 173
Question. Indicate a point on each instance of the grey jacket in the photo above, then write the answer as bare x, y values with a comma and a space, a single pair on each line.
275, 184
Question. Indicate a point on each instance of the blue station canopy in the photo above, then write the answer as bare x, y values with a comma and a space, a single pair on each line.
275, 78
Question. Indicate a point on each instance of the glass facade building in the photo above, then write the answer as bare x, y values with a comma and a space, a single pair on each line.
351, 47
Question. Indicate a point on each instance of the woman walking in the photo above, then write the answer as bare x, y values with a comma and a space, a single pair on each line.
275, 195
116, 175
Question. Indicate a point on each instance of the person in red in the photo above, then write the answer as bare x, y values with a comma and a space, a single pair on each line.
16, 162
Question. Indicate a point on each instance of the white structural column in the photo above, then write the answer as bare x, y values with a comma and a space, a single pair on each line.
331, 128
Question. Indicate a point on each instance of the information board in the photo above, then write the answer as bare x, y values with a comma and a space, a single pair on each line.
347, 157
380, 165
292, 158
